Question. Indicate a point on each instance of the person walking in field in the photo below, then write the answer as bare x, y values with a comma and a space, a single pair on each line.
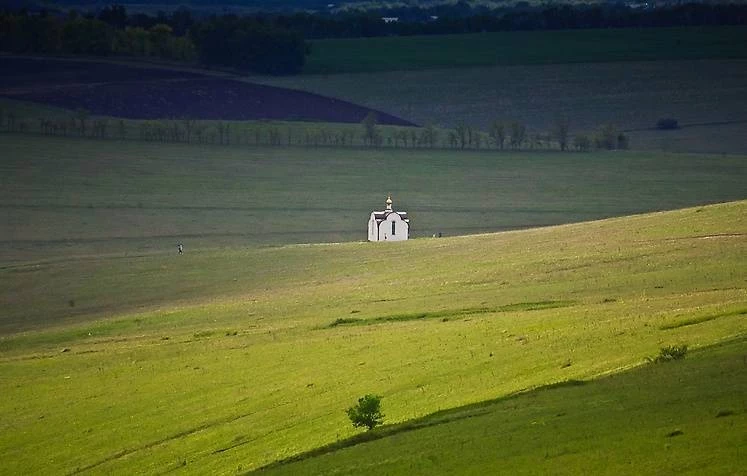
180, 247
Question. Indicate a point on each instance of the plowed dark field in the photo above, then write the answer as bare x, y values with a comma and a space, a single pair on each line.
148, 93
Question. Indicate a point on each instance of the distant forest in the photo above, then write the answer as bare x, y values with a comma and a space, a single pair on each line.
276, 43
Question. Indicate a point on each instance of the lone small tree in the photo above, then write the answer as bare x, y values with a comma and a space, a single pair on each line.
562, 127
498, 133
370, 131
367, 412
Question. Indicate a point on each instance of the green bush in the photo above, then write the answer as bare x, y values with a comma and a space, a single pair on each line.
367, 412
671, 352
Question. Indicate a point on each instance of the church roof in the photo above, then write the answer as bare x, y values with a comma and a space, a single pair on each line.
382, 215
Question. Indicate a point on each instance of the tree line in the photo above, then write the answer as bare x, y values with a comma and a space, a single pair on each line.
86, 35
245, 44
275, 43
464, 18
501, 135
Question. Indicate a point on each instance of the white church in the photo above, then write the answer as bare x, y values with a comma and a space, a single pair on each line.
388, 225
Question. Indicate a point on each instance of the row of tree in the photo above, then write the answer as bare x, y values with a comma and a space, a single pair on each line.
247, 44
89, 36
244, 44
275, 44
501, 135
456, 18
460, 17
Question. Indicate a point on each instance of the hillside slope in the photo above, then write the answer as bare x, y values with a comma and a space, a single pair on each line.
237, 358
682, 417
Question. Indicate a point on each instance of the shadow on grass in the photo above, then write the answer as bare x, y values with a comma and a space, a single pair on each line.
434, 419
469, 411
448, 314
698, 320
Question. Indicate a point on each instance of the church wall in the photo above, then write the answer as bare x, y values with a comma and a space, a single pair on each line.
402, 229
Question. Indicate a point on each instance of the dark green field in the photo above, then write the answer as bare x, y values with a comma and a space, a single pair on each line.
75, 197
524, 48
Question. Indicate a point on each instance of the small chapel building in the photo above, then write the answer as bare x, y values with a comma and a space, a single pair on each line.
388, 225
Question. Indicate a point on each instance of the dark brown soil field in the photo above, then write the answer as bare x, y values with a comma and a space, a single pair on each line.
147, 93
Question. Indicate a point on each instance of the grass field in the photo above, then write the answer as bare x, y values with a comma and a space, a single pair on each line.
629, 78
63, 198
683, 418
630, 95
225, 360
360, 55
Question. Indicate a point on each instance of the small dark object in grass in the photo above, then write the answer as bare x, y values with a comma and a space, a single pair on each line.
65, 350
71, 303
566, 364
674, 433
165, 338
724, 413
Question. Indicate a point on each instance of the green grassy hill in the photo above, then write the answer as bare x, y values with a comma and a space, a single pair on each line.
227, 360
684, 418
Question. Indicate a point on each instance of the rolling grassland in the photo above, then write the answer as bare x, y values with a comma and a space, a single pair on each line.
224, 360
524, 350
62, 198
